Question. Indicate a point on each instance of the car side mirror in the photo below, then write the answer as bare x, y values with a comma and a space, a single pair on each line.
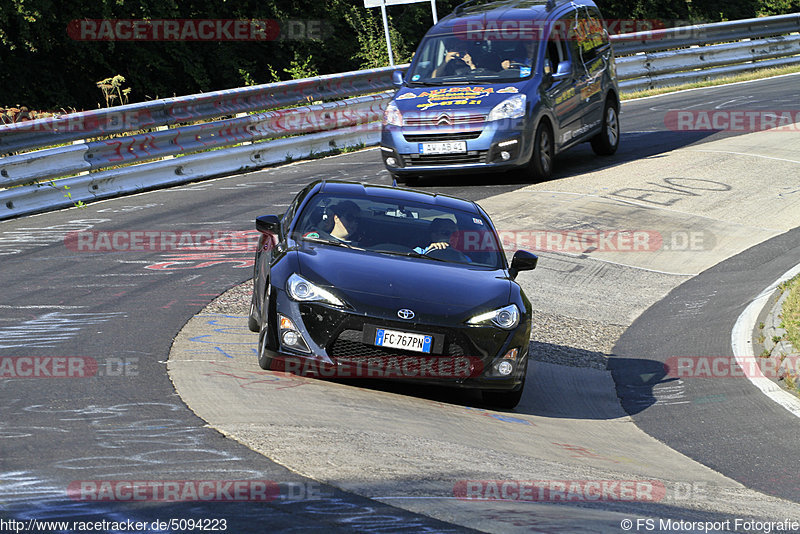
268, 224
563, 71
397, 78
522, 261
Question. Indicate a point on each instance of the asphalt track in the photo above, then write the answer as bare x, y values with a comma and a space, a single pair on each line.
123, 309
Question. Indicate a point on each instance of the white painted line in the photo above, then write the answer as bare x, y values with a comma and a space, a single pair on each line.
722, 85
740, 154
742, 344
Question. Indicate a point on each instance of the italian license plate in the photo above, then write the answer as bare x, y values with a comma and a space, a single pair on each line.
403, 340
443, 147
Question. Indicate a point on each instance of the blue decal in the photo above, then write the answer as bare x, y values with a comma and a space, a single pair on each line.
415, 77
509, 419
524, 71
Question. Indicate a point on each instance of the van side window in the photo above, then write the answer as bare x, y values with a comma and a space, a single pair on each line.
556, 45
589, 34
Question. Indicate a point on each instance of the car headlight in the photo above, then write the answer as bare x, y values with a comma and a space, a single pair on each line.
392, 115
506, 317
304, 291
510, 108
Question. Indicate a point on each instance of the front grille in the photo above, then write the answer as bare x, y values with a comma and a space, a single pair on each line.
473, 156
435, 119
348, 346
447, 136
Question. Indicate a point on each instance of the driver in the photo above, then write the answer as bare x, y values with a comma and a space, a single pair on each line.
522, 55
441, 231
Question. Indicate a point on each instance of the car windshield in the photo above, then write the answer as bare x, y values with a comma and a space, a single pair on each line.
388, 226
483, 56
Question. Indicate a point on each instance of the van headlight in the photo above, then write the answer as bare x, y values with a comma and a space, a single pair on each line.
510, 108
302, 290
506, 317
392, 115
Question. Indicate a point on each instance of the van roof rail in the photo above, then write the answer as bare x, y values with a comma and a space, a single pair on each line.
519, 4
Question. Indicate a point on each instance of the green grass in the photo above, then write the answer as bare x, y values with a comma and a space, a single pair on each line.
790, 313
744, 77
790, 316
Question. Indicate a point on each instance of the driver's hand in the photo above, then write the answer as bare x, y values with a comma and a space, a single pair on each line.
506, 63
450, 55
438, 246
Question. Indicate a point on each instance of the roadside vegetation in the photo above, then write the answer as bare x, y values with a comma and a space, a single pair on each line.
46, 68
790, 321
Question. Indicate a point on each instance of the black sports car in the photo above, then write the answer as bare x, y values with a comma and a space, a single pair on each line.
373, 281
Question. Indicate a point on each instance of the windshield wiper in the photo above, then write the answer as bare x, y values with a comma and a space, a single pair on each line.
410, 254
330, 242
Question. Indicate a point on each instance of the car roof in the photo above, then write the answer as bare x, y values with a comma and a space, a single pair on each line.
358, 189
513, 10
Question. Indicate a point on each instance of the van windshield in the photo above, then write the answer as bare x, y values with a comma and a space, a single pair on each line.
463, 57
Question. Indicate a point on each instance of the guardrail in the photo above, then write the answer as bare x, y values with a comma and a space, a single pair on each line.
673, 56
102, 155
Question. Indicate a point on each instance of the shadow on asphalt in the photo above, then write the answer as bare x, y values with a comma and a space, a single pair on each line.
579, 159
553, 390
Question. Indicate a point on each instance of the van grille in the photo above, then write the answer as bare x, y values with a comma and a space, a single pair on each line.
473, 156
447, 136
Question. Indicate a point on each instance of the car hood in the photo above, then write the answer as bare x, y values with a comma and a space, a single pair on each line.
371, 282
468, 98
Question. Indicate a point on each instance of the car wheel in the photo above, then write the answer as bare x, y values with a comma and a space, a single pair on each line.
504, 399
252, 320
264, 361
606, 142
541, 163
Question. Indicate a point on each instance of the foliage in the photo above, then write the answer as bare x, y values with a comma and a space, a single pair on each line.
113, 90
45, 68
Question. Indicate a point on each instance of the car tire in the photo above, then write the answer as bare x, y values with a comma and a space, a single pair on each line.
541, 164
264, 361
606, 142
252, 320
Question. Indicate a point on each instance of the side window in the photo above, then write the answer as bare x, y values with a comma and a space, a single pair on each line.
589, 34
289, 214
557, 51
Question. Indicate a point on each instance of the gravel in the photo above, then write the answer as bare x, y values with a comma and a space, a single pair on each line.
555, 338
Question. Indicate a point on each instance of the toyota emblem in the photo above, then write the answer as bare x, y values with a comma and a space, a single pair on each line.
405, 314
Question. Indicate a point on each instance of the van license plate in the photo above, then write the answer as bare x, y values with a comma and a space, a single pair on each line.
444, 147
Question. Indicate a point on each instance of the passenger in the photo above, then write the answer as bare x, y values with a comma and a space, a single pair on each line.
457, 61
339, 222
346, 218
